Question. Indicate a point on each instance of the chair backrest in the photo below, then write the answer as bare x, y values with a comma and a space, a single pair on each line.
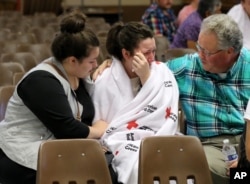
5, 94
103, 50
41, 51
72, 161
177, 52
26, 59
165, 158
8, 46
43, 34
17, 77
162, 44
27, 37
7, 71
4, 32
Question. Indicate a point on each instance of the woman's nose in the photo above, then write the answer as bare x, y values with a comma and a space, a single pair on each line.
95, 64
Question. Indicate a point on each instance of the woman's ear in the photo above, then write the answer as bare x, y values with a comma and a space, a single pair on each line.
72, 59
125, 54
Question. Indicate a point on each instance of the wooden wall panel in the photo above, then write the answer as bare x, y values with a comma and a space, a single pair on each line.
30, 7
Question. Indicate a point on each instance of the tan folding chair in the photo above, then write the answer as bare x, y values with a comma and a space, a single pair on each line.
43, 34
19, 37
41, 51
177, 52
26, 59
7, 71
179, 158
72, 161
162, 44
5, 93
17, 77
103, 50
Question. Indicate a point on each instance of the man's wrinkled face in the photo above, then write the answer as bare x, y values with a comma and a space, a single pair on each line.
214, 59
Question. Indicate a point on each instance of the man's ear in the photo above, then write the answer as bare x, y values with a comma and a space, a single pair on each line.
230, 50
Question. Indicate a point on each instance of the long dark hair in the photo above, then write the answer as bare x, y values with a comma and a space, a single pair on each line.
126, 36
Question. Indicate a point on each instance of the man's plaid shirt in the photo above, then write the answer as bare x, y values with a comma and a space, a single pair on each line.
213, 105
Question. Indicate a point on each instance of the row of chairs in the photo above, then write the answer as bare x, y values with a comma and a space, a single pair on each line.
32, 35
165, 53
5, 94
161, 159
11, 74
40, 51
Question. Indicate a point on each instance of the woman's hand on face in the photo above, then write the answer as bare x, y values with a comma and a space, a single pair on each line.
97, 129
141, 67
105, 64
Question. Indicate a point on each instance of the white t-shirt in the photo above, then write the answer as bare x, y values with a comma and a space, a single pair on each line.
240, 16
247, 112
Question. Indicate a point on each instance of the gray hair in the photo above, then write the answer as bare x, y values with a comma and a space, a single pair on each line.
226, 30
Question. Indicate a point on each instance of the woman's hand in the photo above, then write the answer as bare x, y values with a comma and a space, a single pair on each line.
105, 64
141, 66
97, 129
105, 149
233, 164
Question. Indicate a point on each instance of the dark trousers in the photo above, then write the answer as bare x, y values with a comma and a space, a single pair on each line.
242, 161
13, 173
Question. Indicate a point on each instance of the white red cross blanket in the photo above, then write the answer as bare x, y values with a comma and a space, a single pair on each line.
153, 111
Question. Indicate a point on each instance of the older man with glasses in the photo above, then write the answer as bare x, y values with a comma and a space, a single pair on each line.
214, 87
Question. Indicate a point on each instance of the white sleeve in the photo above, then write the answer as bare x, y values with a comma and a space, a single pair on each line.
247, 112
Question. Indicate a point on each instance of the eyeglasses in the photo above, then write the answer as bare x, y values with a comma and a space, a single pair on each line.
205, 52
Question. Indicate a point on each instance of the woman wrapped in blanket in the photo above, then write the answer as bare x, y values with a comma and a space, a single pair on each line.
136, 95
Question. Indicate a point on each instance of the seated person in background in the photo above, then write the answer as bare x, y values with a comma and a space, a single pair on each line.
50, 102
241, 14
244, 155
214, 89
141, 98
161, 18
187, 33
186, 11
